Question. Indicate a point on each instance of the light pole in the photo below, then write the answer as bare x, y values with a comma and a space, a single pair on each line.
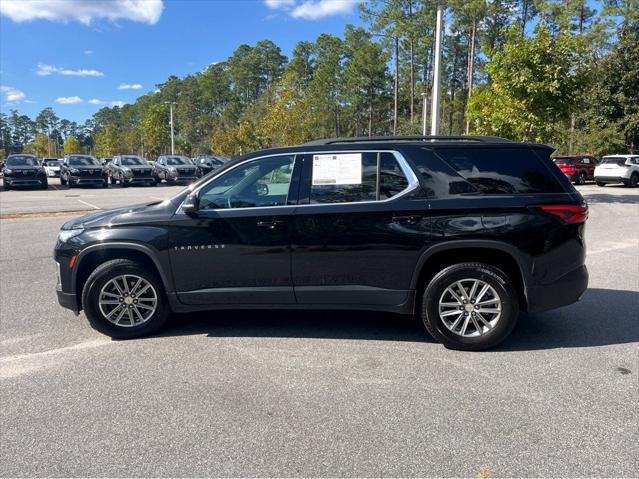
434, 116
424, 108
171, 103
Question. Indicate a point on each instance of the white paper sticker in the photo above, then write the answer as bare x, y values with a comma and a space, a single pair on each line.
341, 169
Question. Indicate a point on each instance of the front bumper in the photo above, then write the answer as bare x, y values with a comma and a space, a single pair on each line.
87, 180
562, 292
30, 181
53, 174
139, 179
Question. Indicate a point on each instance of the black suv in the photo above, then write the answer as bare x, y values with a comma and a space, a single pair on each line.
82, 170
24, 170
174, 169
464, 231
130, 169
207, 163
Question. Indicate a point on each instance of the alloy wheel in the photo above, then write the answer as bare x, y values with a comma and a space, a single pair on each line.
128, 300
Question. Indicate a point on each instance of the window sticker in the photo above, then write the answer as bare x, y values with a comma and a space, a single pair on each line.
341, 169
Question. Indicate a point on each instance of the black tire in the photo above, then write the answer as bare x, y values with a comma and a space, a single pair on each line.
581, 179
91, 291
63, 182
600, 183
492, 276
7, 186
634, 180
44, 186
105, 183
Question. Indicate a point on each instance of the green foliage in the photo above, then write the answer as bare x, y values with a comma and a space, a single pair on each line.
38, 147
533, 86
71, 145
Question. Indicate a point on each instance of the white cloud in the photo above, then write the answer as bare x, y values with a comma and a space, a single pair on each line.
119, 103
130, 86
83, 11
12, 95
88, 52
69, 100
275, 4
312, 9
45, 70
95, 101
316, 9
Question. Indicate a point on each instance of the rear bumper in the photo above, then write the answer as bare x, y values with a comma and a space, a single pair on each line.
612, 179
562, 292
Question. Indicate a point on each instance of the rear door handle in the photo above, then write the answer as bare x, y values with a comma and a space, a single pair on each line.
270, 225
407, 219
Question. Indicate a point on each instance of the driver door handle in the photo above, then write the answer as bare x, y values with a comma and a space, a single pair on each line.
271, 224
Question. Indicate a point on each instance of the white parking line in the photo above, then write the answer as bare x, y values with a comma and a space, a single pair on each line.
89, 204
612, 248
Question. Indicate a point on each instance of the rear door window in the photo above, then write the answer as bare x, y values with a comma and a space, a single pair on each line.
353, 177
501, 170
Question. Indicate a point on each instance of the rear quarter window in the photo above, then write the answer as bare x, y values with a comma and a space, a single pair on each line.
501, 170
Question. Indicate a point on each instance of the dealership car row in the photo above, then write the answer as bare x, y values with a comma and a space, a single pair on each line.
125, 170
130, 169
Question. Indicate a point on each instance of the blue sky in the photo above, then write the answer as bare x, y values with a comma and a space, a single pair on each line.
80, 55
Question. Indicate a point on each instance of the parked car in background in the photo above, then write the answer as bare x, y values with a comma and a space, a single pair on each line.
618, 169
51, 166
82, 170
579, 168
207, 163
174, 169
24, 170
463, 231
130, 169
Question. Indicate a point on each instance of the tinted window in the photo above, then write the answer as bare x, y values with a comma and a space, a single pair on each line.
132, 161
22, 161
362, 188
501, 170
614, 161
391, 177
258, 183
52, 163
564, 161
177, 160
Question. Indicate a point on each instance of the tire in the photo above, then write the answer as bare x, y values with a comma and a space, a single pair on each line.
634, 180
581, 179
105, 183
91, 293
63, 182
501, 324
44, 186
7, 186
600, 183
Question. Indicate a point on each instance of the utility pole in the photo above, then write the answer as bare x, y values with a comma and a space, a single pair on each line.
434, 120
396, 85
424, 109
171, 103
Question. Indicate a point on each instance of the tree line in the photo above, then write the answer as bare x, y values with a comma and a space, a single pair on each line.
564, 72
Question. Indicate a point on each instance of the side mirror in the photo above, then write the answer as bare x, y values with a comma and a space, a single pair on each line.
262, 189
190, 205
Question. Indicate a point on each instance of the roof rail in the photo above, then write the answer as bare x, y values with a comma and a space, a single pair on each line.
377, 139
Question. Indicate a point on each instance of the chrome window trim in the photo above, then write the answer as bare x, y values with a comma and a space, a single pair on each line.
411, 177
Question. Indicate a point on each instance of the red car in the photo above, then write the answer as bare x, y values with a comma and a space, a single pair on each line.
579, 168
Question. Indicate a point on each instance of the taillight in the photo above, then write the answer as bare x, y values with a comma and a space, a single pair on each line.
570, 214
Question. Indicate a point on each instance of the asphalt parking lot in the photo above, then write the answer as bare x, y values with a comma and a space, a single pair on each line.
314, 394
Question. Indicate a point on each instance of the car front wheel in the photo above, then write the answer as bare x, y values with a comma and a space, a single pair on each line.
470, 306
124, 300
634, 180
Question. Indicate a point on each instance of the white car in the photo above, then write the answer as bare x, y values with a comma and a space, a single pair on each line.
618, 169
51, 166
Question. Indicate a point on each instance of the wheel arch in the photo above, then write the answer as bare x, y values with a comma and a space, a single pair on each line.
495, 253
91, 257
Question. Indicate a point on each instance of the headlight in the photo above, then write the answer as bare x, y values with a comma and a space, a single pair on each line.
8, 171
66, 235
74, 171
173, 169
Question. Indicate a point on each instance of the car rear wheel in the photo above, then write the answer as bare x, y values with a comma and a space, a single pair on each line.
600, 183
470, 306
581, 179
124, 300
634, 180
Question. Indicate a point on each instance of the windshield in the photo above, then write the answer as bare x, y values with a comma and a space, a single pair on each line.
23, 161
83, 161
614, 161
177, 160
132, 161
51, 163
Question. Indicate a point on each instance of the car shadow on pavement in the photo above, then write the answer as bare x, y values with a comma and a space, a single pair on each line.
606, 198
603, 317
356, 325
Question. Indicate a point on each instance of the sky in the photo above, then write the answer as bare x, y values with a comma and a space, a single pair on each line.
78, 56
